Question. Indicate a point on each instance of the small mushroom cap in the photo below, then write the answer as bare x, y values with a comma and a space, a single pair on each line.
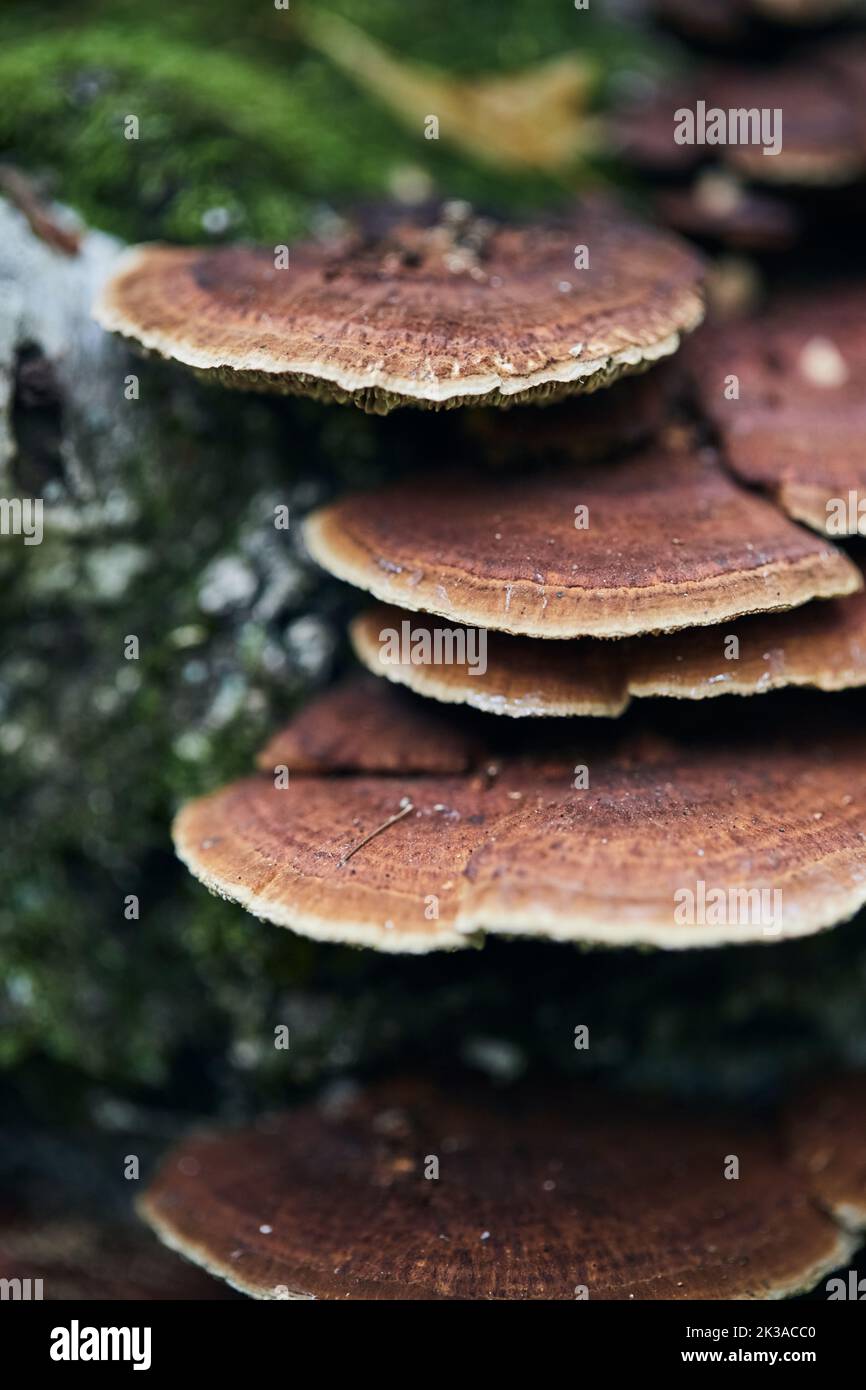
820, 644
430, 316
522, 846
351, 728
798, 425
670, 541
567, 1194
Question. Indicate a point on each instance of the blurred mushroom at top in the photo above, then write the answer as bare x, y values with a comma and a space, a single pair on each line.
724, 22
757, 156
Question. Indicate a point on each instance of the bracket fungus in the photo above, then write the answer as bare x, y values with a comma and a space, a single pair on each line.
755, 156
793, 123
717, 207
405, 1191
828, 1144
822, 645
463, 310
495, 673
355, 727
786, 392
659, 540
619, 840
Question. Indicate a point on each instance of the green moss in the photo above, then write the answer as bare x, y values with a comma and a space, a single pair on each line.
237, 114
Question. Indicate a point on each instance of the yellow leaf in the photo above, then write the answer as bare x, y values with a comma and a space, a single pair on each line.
537, 117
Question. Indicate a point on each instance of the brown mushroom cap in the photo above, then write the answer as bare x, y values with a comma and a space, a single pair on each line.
820, 644
352, 728
672, 542
798, 426
823, 128
464, 311
823, 140
415, 863
520, 675
572, 1193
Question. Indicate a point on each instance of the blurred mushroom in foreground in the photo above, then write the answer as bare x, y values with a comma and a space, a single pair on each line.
408, 1192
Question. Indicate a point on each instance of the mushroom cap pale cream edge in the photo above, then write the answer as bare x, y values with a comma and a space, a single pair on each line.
391, 323
515, 848
673, 542
820, 645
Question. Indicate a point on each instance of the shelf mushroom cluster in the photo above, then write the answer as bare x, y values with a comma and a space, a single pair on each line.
548, 570
647, 540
